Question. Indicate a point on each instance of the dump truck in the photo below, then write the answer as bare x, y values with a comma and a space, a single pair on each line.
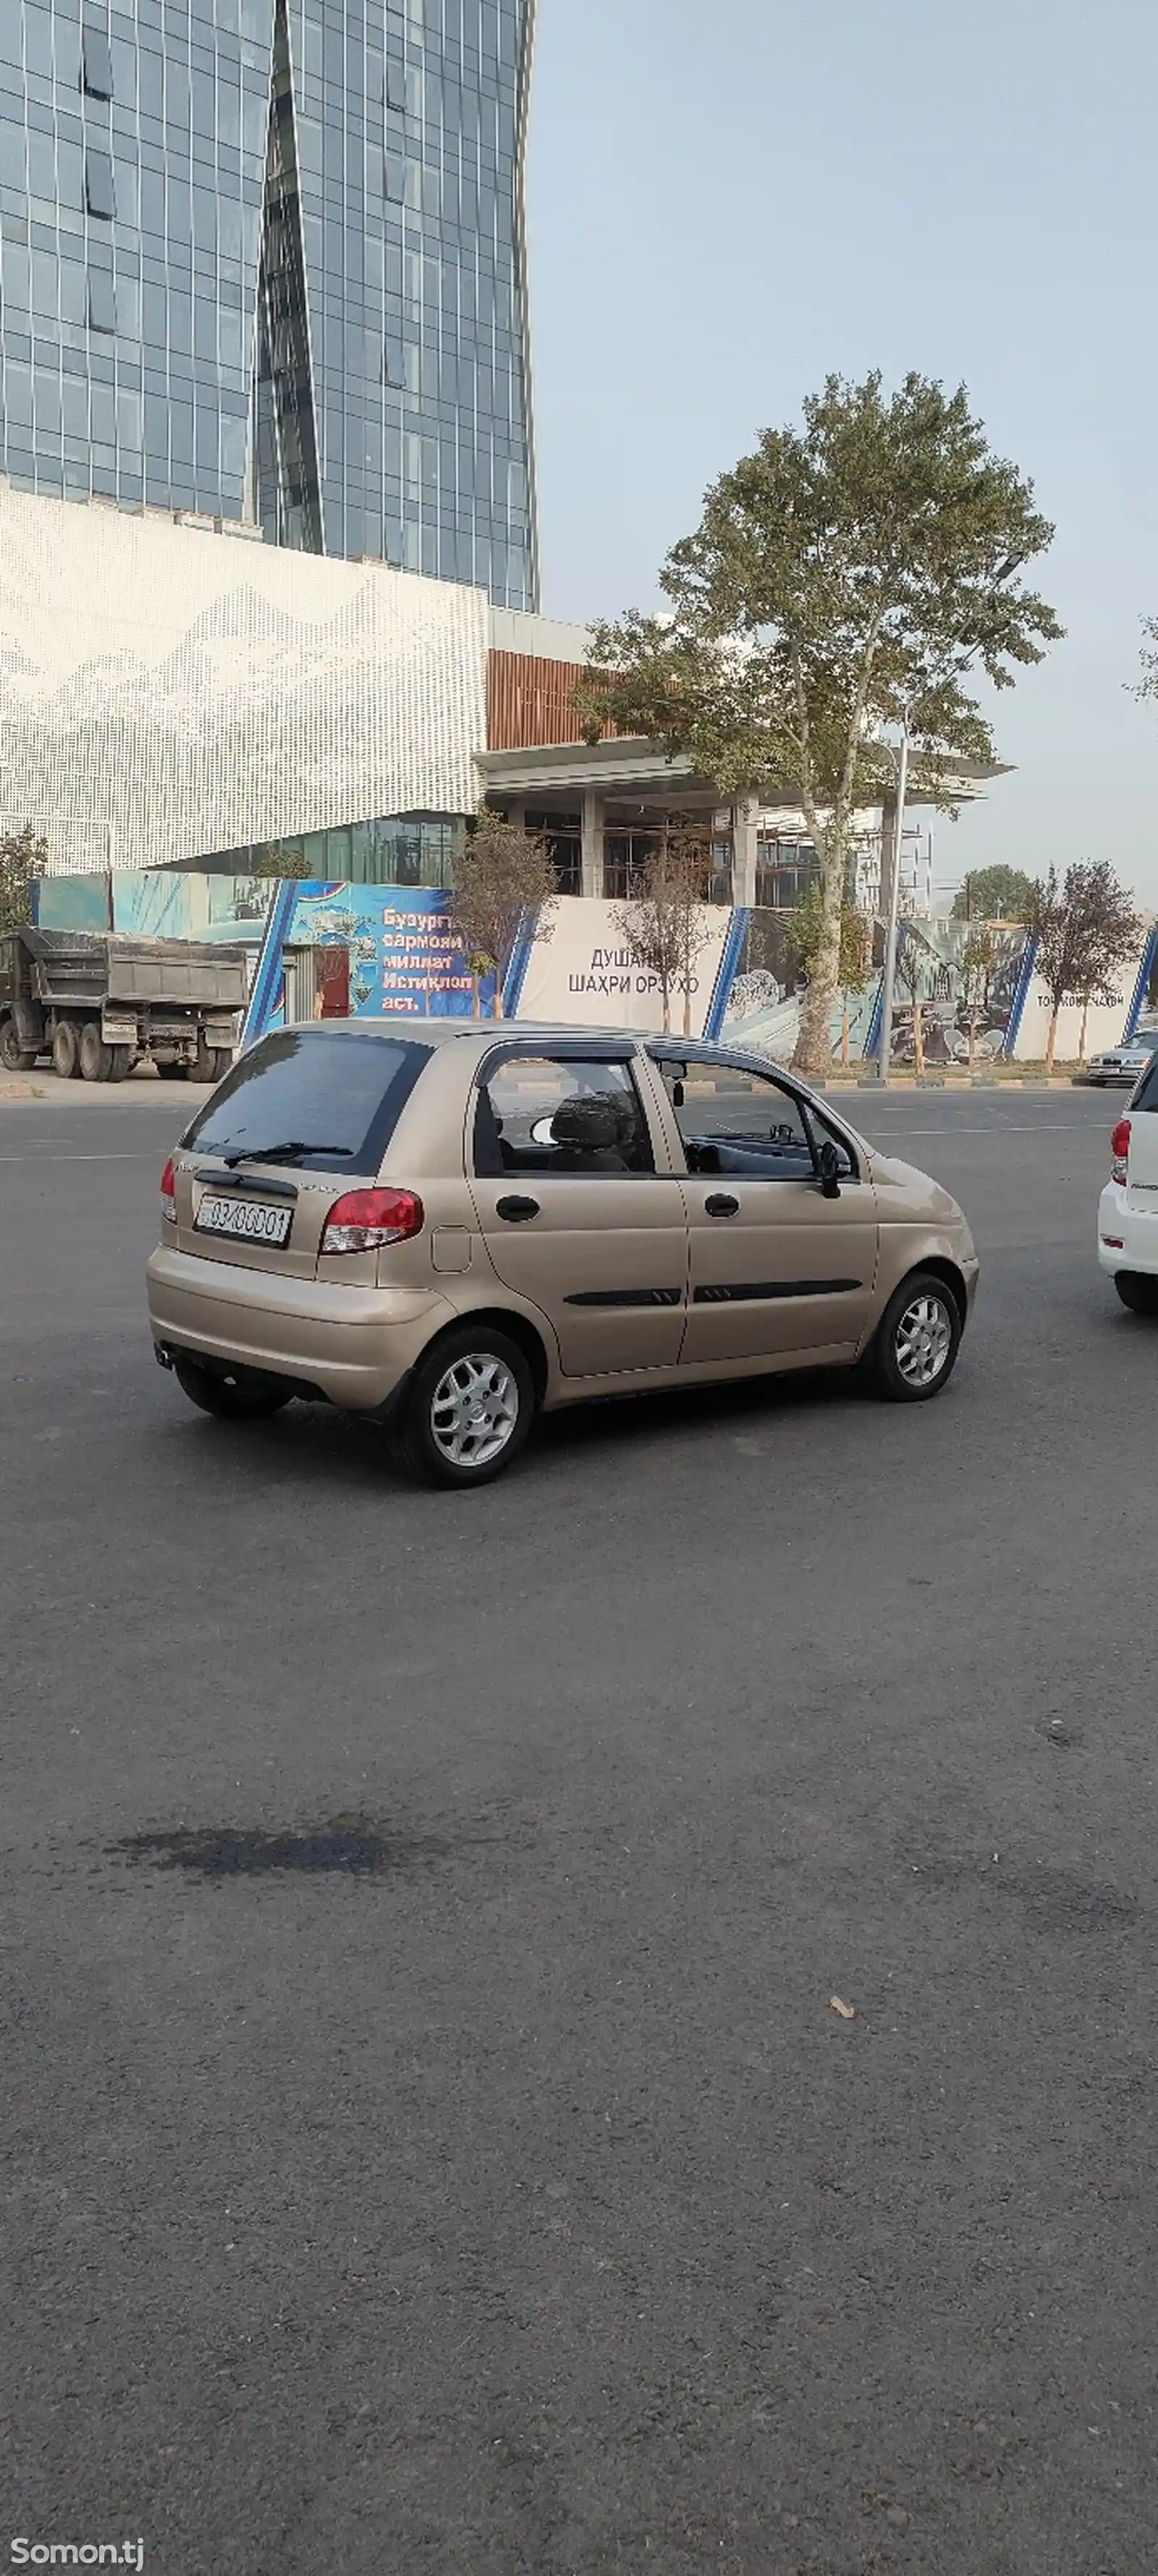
98, 1003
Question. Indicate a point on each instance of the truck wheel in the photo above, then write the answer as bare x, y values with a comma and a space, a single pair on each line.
210, 1064
94, 1054
14, 1057
65, 1053
120, 1058
174, 1071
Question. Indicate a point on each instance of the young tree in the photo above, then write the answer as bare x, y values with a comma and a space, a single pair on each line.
501, 873
839, 581
911, 971
980, 958
993, 894
1083, 929
661, 924
806, 937
23, 856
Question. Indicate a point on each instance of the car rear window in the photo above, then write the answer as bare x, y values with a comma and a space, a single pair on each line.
335, 1095
1147, 1096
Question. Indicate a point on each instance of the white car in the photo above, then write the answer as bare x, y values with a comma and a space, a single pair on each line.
1128, 1207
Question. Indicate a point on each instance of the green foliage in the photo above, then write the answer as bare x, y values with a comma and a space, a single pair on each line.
23, 856
500, 873
994, 894
839, 581
806, 937
279, 860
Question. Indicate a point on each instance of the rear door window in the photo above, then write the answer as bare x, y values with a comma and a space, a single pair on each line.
548, 1114
326, 1100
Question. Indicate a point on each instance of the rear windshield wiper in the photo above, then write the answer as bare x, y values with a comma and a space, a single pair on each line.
285, 1153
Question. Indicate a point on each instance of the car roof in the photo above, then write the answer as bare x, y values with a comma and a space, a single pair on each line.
488, 1032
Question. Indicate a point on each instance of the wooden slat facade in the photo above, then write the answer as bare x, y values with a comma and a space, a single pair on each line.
529, 702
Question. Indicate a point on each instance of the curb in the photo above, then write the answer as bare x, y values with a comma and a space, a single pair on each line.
950, 1082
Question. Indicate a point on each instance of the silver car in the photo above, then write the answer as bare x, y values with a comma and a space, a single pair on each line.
1121, 1064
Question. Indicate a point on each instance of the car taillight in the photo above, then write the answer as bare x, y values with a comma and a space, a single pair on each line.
364, 1220
1120, 1148
169, 1194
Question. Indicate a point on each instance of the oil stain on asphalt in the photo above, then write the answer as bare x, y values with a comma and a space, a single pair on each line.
348, 1846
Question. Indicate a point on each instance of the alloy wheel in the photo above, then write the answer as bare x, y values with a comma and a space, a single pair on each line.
474, 1410
924, 1340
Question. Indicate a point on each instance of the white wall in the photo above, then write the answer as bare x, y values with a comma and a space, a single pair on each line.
579, 970
166, 692
1103, 1028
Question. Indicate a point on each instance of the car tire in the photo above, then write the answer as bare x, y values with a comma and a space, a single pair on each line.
231, 1398
14, 1058
95, 1056
473, 1370
1137, 1291
65, 1052
914, 1351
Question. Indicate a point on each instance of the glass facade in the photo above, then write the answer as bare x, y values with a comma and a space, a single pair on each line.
131, 168
265, 259
785, 869
398, 849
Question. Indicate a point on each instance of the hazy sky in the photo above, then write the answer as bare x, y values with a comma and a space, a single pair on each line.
729, 198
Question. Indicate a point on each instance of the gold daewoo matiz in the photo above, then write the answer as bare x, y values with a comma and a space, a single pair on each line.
454, 1227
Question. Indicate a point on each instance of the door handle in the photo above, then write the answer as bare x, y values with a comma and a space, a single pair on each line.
721, 1205
516, 1211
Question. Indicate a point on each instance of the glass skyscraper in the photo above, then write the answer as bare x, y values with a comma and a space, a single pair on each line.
264, 259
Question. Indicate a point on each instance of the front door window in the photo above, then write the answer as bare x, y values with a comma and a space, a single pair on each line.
731, 1120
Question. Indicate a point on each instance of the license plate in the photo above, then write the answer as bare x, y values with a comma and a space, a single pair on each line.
247, 1219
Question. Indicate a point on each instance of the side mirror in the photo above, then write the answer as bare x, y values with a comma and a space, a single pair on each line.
828, 1170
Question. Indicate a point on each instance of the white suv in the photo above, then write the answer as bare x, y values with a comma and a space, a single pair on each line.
1128, 1207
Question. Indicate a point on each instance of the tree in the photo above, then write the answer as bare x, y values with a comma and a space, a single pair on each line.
993, 894
806, 936
23, 856
1082, 928
980, 959
661, 924
500, 873
277, 859
911, 970
839, 581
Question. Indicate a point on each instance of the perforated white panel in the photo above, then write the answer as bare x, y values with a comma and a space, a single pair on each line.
166, 692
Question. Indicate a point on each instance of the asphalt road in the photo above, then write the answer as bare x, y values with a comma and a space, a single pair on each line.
435, 2152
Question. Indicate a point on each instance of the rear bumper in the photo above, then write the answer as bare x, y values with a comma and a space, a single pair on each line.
355, 1345
1127, 1236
